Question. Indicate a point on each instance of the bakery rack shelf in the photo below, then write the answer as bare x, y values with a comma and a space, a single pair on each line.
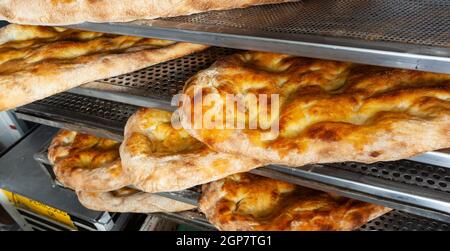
150, 87
190, 196
414, 187
20, 174
395, 220
396, 33
392, 221
153, 86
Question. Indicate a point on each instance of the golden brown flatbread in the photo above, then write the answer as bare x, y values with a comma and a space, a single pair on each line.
36, 62
328, 111
159, 158
87, 163
250, 202
130, 201
63, 12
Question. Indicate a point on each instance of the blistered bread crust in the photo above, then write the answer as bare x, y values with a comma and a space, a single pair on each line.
87, 163
329, 111
63, 12
247, 202
160, 158
36, 62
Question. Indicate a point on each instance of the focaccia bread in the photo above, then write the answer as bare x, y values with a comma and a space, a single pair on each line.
63, 12
36, 62
85, 162
159, 158
252, 203
328, 111
130, 201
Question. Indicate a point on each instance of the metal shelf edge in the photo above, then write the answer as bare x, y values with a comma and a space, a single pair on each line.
364, 188
118, 94
388, 54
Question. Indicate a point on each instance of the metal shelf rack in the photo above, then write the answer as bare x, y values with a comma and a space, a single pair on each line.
396, 33
21, 174
150, 87
153, 86
394, 220
407, 185
302, 176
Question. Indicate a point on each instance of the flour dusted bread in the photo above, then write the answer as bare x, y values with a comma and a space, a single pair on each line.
130, 200
36, 62
63, 12
88, 163
160, 158
328, 111
250, 202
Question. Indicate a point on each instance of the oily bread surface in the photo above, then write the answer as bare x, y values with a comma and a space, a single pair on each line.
328, 111
63, 12
130, 200
247, 202
160, 158
87, 163
36, 61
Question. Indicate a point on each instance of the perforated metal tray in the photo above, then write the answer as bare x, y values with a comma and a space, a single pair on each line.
400, 221
153, 86
91, 115
392, 221
397, 33
405, 185
411, 186
416, 177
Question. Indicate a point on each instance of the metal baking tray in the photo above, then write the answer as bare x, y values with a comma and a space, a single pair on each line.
411, 186
150, 87
392, 221
395, 220
153, 86
396, 33
189, 196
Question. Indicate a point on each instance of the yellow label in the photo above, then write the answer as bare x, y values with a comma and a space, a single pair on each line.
39, 208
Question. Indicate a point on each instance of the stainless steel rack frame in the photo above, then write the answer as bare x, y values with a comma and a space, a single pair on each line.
396, 33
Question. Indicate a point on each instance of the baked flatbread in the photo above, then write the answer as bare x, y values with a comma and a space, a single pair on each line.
328, 111
130, 201
63, 12
250, 202
36, 62
160, 158
87, 163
